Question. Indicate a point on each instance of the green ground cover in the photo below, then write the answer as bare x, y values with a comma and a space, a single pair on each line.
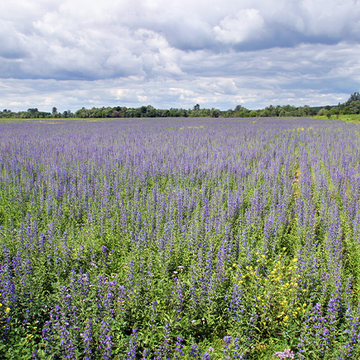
180, 239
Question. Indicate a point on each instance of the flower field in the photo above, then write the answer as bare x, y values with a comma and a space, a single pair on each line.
180, 239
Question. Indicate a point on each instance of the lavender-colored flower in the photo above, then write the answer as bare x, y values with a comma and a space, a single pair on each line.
286, 354
131, 354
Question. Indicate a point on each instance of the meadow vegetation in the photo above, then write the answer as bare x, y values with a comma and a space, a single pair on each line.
180, 239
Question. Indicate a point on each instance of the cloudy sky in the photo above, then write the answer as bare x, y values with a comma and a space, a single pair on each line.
74, 53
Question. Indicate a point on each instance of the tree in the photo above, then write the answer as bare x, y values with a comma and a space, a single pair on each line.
54, 110
325, 111
215, 113
353, 97
197, 107
253, 113
345, 110
322, 112
33, 112
151, 112
355, 107
334, 111
229, 113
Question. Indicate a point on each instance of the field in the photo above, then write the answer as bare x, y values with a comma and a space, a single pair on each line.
349, 118
180, 239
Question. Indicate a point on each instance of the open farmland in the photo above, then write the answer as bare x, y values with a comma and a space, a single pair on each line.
189, 239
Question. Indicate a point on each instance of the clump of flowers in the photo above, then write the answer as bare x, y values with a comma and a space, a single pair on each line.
277, 293
286, 354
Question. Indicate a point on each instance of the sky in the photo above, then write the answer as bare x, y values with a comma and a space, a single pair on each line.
178, 53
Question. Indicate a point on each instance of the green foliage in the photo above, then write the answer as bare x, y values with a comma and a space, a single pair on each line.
352, 106
125, 251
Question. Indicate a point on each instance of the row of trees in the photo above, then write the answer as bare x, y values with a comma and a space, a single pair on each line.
150, 111
147, 111
34, 113
351, 106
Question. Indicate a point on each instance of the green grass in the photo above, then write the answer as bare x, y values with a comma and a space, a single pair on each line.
352, 118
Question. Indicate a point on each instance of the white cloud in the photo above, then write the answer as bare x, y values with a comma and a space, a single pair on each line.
12, 43
318, 75
246, 25
244, 50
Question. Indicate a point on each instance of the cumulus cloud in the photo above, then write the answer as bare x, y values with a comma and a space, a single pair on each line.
12, 43
189, 50
308, 74
246, 25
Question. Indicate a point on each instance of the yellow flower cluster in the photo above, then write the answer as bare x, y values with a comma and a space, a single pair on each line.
277, 294
7, 309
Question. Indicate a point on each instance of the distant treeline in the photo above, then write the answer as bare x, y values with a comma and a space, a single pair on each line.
351, 106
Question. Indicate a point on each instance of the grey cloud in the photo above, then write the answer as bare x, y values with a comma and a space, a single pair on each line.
246, 25
286, 77
82, 40
12, 43
180, 52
